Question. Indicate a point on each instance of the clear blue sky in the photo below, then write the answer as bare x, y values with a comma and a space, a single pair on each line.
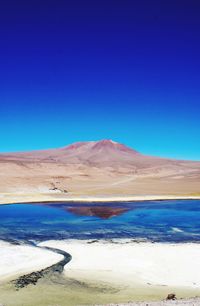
87, 70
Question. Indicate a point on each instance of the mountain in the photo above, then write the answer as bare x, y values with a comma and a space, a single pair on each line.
86, 152
96, 167
98, 153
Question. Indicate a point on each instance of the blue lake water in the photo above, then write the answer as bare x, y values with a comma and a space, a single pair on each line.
159, 221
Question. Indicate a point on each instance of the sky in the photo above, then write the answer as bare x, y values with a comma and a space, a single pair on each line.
125, 70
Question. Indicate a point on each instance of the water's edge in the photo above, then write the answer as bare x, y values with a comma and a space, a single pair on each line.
32, 278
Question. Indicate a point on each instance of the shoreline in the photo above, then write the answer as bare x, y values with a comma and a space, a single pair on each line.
19, 259
10, 198
103, 272
144, 262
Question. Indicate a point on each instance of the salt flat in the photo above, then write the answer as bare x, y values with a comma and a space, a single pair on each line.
102, 272
127, 263
158, 264
21, 259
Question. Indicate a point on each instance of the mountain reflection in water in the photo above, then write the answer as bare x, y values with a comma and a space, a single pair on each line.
168, 221
103, 212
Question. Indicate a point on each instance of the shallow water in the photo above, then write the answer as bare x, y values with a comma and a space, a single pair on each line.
159, 221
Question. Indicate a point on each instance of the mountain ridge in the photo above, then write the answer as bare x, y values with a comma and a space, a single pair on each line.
103, 144
96, 167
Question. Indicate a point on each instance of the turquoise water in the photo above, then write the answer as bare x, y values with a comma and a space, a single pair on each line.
159, 221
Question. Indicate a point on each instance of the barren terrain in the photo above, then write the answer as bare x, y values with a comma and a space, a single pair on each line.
101, 168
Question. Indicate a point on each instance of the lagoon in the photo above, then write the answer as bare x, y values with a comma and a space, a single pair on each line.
156, 221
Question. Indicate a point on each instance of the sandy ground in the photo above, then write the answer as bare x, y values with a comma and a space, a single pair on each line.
96, 171
10, 198
21, 259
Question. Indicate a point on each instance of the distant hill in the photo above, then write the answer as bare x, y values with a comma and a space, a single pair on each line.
96, 167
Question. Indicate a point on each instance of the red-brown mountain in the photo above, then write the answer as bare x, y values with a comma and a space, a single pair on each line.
105, 152
91, 151
96, 167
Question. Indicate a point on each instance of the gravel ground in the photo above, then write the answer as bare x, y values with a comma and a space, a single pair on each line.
181, 302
